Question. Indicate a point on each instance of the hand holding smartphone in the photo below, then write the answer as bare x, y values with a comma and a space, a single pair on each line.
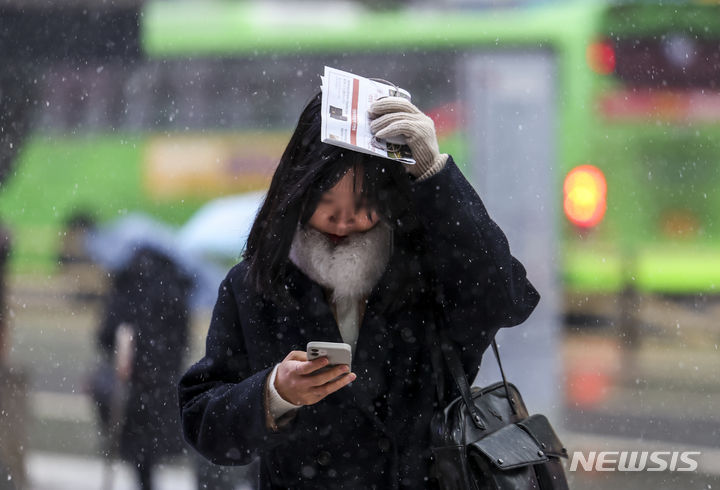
305, 378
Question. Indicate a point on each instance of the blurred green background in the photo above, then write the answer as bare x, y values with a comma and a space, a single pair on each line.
160, 107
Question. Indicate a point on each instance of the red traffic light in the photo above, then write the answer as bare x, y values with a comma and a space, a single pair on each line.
584, 191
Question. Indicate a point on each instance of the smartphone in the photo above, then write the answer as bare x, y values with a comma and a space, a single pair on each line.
336, 352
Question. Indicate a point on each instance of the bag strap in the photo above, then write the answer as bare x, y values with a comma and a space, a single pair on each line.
502, 373
436, 362
452, 360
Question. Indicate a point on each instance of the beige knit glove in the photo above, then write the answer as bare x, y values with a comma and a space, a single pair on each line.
397, 117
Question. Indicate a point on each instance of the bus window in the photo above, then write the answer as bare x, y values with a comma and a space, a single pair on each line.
663, 47
673, 60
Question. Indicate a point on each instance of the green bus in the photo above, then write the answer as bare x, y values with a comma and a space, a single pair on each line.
207, 109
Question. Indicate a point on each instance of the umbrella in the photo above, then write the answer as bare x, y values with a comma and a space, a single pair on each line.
220, 228
114, 244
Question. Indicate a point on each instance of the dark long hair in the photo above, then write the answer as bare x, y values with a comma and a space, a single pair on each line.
307, 169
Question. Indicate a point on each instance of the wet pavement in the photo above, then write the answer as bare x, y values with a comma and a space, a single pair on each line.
53, 471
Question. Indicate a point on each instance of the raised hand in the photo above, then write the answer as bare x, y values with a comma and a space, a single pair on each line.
394, 117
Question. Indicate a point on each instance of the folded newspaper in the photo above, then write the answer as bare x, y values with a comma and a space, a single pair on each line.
346, 99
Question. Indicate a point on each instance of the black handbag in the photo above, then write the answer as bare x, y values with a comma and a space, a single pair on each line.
484, 439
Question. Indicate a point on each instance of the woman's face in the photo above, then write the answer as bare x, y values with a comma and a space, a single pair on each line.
338, 213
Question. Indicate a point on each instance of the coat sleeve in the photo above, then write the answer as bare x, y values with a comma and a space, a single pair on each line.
484, 286
221, 400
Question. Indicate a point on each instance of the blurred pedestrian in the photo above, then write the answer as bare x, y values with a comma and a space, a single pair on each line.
340, 251
84, 280
143, 338
77, 226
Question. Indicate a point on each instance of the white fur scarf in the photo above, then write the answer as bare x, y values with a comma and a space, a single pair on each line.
350, 269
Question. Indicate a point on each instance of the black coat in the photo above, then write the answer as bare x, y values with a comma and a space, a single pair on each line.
373, 433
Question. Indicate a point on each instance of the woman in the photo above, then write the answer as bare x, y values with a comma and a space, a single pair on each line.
341, 251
